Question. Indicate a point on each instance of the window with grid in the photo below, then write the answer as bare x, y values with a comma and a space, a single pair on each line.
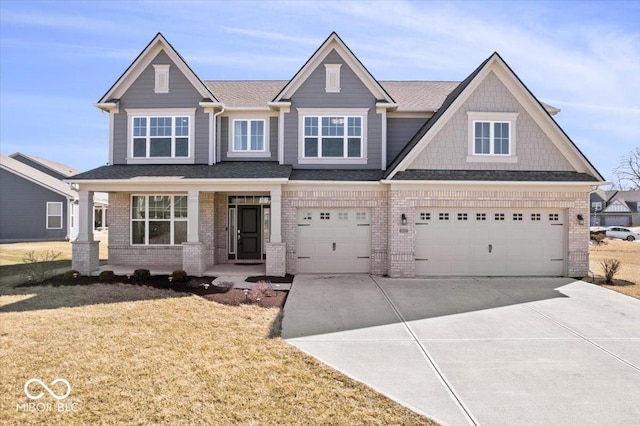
333, 137
161, 137
462, 216
498, 216
481, 216
248, 135
491, 137
158, 219
425, 216
443, 216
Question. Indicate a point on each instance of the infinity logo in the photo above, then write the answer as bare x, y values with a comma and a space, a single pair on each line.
52, 393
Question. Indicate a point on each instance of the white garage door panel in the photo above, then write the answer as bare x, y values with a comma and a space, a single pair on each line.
334, 241
498, 242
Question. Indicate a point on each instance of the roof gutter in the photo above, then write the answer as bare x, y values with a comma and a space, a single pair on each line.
491, 182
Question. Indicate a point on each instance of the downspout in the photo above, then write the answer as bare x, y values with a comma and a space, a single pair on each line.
215, 134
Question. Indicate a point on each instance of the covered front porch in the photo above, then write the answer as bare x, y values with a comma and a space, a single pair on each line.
202, 229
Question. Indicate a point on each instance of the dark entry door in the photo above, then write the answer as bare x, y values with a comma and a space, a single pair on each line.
249, 243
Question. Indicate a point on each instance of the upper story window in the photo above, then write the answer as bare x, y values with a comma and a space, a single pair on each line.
492, 137
596, 206
332, 136
248, 135
160, 137
164, 135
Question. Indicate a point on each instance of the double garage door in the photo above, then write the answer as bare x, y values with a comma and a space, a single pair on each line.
334, 241
448, 242
486, 242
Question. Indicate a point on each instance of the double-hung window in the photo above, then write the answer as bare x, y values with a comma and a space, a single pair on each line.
158, 219
161, 137
54, 215
492, 136
248, 135
333, 136
161, 134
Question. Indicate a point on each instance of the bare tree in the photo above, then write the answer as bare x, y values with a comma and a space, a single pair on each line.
627, 171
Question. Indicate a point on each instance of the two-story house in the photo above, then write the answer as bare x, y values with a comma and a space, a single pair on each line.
334, 171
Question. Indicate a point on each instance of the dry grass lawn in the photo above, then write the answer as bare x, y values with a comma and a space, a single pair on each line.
12, 254
628, 253
139, 355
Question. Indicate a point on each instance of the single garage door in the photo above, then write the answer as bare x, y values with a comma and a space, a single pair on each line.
490, 242
334, 240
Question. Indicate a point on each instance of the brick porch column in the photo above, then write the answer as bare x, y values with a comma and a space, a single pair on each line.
276, 249
84, 250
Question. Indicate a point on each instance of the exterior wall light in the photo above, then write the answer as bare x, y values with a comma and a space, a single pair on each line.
403, 219
580, 220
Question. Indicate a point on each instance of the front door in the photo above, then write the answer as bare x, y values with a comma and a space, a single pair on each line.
249, 235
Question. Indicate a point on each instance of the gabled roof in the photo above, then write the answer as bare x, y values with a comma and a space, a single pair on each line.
143, 60
246, 93
60, 168
36, 176
493, 176
456, 99
334, 42
618, 206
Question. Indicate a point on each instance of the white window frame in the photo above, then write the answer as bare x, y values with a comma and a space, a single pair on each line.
362, 113
49, 205
249, 116
161, 78
596, 206
152, 113
249, 122
492, 118
172, 219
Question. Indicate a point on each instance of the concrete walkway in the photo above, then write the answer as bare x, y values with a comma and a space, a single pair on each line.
478, 351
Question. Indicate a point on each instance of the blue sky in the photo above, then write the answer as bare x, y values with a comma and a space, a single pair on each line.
59, 57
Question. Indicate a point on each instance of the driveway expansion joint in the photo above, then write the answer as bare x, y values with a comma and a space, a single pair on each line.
448, 386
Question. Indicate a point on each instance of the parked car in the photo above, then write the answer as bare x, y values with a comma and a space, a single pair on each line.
622, 233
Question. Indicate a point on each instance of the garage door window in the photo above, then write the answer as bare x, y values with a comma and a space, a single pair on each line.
517, 216
443, 216
462, 216
498, 217
535, 217
425, 216
553, 217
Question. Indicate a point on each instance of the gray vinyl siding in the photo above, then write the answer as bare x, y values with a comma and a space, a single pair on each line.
273, 140
399, 133
141, 95
353, 94
38, 166
23, 210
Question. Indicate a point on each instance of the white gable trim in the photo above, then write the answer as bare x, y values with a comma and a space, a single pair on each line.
333, 42
158, 44
524, 97
617, 206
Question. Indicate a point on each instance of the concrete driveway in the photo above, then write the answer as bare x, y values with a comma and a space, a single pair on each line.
478, 351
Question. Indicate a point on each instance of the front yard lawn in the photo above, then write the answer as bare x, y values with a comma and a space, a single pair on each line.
628, 253
141, 355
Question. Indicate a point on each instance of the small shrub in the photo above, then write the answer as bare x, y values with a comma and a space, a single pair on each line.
261, 289
141, 274
106, 277
179, 276
39, 264
610, 267
70, 275
598, 238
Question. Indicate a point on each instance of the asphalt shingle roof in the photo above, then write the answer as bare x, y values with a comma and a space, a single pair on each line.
409, 95
337, 174
494, 175
228, 170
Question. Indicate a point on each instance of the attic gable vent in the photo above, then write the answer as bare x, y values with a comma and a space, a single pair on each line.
162, 78
333, 78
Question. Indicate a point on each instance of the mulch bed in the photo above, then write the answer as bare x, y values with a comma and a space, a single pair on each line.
201, 286
287, 279
601, 281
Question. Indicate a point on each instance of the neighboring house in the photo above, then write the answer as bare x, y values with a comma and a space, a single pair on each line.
615, 208
35, 204
334, 171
